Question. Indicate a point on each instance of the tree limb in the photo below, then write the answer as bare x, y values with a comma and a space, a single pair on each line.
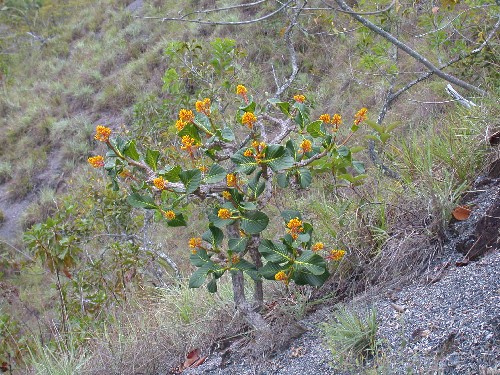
404, 47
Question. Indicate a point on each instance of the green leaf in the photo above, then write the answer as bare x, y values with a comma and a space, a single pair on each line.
212, 286
152, 157
269, 270
305, 177
302, 116
245, 164
316, 129
250, 107
191, 179
130, 150
254, 222
227, 135
343, 151
213, 236
200, 258
198, 277
283, 180
215, 174
275, 252
290, 214
248, 206
178, 221
141, 201
312, 262
237, 244
372, 124
191, 130
290, 146
304, 277
242, 265
277, 157
171, 174
284, 107
255, 187
359, 166
203, 123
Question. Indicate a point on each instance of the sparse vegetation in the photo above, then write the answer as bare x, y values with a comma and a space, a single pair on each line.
351, 336
67, 66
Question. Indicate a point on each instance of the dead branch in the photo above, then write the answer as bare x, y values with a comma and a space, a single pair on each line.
404, 47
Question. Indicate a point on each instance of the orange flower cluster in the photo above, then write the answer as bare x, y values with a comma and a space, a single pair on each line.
335, 120
102, 133
241, 90
96, 161
248, 119
235, 259
335, 255
188, 143
231, 180
185, 116
306, 146
294, 227
256, 151
318, 246
281, 276
195, 242
170, 215
160, 183
299, 98
360, 116
227, 195
203, 106
224, 213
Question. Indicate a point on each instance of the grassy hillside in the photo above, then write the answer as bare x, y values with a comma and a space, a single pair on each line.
67, 66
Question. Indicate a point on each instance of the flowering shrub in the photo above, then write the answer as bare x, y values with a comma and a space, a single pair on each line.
240, 175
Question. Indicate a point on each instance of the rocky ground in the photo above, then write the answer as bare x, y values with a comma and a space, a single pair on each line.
445, 322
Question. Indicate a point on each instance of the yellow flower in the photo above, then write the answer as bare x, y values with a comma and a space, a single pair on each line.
203, 168
194, 242
186, 115
231, 180
160, 183
299, 98
255, 144
241, 90
96, 161
248, 152
325, 118
294, 227
203, 106
227, 195
188, 143
337, 120
235, 259
248, 119
306, 145
281, 276
102, 133
360, 116
224, 213
318, 246
170, 215
336, 255
179, 124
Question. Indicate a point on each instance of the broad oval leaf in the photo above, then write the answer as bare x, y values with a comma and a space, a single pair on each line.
130, 150
275, 252
254, 222
215, 174
191, 179
237, 244
141, 201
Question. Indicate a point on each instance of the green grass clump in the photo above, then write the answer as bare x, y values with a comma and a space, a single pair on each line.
350, 337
